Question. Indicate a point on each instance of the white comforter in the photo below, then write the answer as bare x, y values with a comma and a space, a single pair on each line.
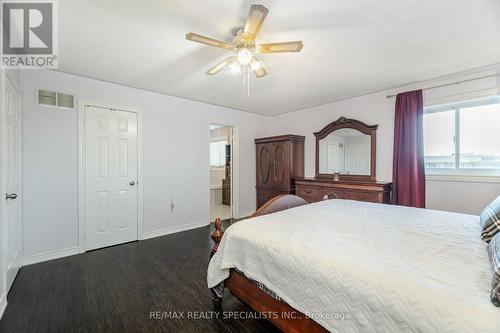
390, 268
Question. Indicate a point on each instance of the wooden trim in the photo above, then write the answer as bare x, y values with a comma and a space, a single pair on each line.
343, 122
216, 236
286, 137
235, 167
279, 203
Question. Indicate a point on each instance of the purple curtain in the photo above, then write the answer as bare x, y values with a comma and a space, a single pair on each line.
408, 175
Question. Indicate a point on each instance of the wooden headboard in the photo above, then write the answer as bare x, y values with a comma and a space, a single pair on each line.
279, 203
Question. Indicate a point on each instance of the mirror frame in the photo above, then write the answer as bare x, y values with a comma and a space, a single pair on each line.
343, 122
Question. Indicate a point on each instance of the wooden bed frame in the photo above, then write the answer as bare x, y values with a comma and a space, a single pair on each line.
284, 316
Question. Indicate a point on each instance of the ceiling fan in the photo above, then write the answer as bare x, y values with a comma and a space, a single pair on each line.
244, 47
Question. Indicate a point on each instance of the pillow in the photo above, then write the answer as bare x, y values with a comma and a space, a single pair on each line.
490, 220
494, 254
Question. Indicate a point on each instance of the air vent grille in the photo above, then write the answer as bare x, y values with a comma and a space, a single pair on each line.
65, 101
56, 99
46, 97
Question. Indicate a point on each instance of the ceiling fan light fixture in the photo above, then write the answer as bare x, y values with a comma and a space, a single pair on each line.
255, 65
244, 56
236, 68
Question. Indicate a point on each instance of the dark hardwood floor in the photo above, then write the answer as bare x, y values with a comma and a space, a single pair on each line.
115, 290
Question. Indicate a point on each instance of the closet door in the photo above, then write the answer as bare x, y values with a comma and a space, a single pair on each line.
111, 170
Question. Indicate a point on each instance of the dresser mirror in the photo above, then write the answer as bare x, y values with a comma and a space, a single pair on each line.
346, 150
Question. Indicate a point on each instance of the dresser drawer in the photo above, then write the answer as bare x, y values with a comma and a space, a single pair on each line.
332, 193
362, 196
309, 193
314, 190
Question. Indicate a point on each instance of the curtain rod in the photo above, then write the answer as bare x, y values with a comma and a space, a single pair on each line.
453, 83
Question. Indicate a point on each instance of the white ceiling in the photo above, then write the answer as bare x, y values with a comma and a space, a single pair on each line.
350, 47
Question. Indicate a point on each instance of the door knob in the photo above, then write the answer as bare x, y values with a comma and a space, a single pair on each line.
132, 183
11, 196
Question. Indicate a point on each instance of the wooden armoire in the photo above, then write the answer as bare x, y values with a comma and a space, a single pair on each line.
280, 159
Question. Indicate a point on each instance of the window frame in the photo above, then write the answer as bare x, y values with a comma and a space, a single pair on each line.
461, 173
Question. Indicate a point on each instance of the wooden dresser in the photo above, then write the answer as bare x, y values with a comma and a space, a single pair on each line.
280, 159
313, 190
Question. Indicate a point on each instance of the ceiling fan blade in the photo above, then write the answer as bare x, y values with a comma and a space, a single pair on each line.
217, 68
295, 46
257, 68
256, 17
209, 41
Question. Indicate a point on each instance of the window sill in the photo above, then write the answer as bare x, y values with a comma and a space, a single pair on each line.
468, 178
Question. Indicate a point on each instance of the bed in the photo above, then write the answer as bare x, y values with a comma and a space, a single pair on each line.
348, 266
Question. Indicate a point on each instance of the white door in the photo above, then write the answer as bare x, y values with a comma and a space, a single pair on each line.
12, 193
111, 169
335, 158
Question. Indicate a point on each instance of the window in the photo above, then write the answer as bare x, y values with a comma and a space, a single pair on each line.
218, 153
463, 138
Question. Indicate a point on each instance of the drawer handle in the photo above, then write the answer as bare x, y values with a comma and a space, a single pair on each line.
308, 191
329, 196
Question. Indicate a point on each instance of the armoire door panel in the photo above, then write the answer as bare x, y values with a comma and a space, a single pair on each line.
280, 167
264, 165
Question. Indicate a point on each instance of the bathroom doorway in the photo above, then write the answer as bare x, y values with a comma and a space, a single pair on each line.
221, 171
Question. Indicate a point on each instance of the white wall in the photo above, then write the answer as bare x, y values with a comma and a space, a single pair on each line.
461, 196
175, 157
457, 196
370, 109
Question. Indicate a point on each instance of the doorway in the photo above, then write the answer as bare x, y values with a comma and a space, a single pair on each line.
221, 156
110, 177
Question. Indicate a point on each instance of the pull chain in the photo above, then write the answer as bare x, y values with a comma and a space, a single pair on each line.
246, 81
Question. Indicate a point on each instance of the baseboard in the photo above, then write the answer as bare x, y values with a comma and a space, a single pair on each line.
50, 255
172, 230
3, 304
